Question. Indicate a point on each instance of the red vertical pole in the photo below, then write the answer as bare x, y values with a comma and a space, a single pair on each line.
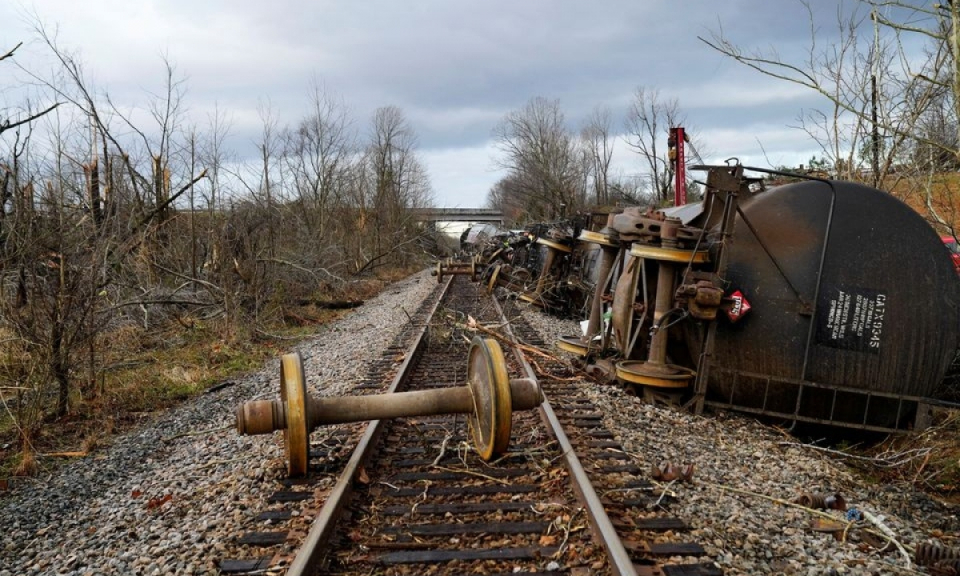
680, 170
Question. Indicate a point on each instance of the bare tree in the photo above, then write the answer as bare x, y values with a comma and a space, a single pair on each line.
875, 92
597, 136
543, 158
67, 249
887, 105
399, 176
940, 25
938, 123
7, 123
507, 196
318, 152
395, 181
214, 155
59, 254
648, 120
9, 171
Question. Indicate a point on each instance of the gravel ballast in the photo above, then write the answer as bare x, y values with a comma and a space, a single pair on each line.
170, 497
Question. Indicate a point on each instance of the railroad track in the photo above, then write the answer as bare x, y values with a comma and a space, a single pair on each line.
413, 495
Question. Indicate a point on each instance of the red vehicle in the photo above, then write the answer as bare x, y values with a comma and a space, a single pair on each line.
951, 243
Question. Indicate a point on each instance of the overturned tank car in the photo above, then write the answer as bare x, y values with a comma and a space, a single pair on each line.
820, 301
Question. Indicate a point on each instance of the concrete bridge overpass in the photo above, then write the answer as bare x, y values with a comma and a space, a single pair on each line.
459, 215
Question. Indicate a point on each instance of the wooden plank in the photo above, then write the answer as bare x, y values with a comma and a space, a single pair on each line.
604, 444
274, 515
476, 528
458, 508
692, 570
628, 468
262, 538
289, 496
677, 549
290, 482
436, 556
661, 524
583, 405
452, 491
243, 566
433, 423
637, 502
422, 462
405, 450
432, 439
605, 455
582, 423
439, 476
453, 460
641, 483
652, 524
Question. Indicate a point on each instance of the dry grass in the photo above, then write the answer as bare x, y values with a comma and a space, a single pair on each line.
27, 465
137, 372
941, 193
930, 459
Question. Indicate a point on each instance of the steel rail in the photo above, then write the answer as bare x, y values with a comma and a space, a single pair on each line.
307, 560
619, 558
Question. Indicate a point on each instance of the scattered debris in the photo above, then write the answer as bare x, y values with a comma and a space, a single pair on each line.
668, 472
829, 526
821, 502
931, 553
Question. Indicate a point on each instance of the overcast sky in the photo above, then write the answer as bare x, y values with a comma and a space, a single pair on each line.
454, 67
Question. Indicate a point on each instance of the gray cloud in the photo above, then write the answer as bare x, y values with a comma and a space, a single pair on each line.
454, 66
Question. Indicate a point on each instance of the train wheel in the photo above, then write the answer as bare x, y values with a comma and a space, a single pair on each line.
490, 421
293, 392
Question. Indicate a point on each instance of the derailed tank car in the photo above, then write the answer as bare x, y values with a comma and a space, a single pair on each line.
820, 301
855, 309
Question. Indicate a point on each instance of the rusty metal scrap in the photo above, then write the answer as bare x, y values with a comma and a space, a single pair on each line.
949, 567
668, 472
602, 370
832, 527
822, 502
932, 553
